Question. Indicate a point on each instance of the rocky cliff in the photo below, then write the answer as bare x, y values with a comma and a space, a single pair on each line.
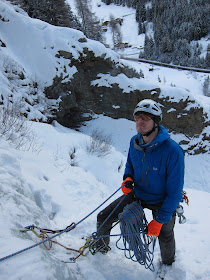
81, 96
81, 77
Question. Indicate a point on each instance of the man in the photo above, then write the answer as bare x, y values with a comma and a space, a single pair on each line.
155, 171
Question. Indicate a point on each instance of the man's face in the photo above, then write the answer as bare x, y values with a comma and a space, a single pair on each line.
144, 123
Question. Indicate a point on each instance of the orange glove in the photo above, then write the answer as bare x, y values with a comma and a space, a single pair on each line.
127, 185
154, 228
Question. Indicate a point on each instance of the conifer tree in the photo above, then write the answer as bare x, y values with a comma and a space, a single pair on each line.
55, 12
90, 25
207, 60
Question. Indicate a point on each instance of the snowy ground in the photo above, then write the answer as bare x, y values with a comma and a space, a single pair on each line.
48, 189
55, 181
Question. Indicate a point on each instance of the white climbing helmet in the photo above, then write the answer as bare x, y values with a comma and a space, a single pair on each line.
149, 106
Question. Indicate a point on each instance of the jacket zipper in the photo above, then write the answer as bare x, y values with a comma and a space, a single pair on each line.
147, 172
147, 175
142, 174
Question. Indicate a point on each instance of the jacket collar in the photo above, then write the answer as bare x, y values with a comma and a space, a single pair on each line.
162, 136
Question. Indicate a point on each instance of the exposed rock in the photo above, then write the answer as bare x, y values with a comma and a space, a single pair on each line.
80, 99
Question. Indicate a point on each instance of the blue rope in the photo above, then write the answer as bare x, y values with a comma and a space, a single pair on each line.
133, 224
137, 245
95, 235
69, 228
98, 206
107, 218
72, 226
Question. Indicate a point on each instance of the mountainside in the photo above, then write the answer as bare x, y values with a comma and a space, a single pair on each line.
175, 32
52, 176
81, 77
59, 182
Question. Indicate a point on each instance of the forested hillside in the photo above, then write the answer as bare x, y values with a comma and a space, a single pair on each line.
56, 12
59, 13
177, 26
173, 29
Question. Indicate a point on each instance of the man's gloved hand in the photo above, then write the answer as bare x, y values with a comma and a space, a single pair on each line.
127, 185
154, 228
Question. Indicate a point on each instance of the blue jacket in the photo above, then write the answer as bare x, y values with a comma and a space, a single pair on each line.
157, 170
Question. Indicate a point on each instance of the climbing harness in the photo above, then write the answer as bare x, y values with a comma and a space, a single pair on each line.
137, 245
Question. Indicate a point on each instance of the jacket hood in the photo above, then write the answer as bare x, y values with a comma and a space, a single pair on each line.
162, 136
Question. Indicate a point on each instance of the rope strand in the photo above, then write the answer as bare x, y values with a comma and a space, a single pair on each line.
58, 232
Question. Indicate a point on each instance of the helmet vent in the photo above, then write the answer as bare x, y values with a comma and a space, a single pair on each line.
155, 108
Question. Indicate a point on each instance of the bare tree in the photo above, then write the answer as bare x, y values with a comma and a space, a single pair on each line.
116, 33
15, 129
99, 144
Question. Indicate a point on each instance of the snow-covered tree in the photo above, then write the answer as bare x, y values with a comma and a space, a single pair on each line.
90, 25
55, 12
206, 87
116, 33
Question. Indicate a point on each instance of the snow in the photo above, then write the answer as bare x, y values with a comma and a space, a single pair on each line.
34, 44
54, 181
46, 190
176, 84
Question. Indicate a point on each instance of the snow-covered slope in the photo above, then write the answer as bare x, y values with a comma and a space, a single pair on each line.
193, 82
50, 190
29, 62
54, 181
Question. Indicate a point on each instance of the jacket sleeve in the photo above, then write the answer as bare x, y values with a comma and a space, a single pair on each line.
129, 167
174, 185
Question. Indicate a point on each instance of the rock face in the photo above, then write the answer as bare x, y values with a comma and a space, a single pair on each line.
80, 99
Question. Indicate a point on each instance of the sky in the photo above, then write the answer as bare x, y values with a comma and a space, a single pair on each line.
52, 180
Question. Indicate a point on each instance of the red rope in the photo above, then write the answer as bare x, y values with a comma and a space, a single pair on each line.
45, 236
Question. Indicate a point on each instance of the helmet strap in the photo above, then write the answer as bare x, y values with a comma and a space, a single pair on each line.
150, 132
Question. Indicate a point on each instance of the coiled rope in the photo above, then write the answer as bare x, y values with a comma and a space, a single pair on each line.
137, 245
133, 225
